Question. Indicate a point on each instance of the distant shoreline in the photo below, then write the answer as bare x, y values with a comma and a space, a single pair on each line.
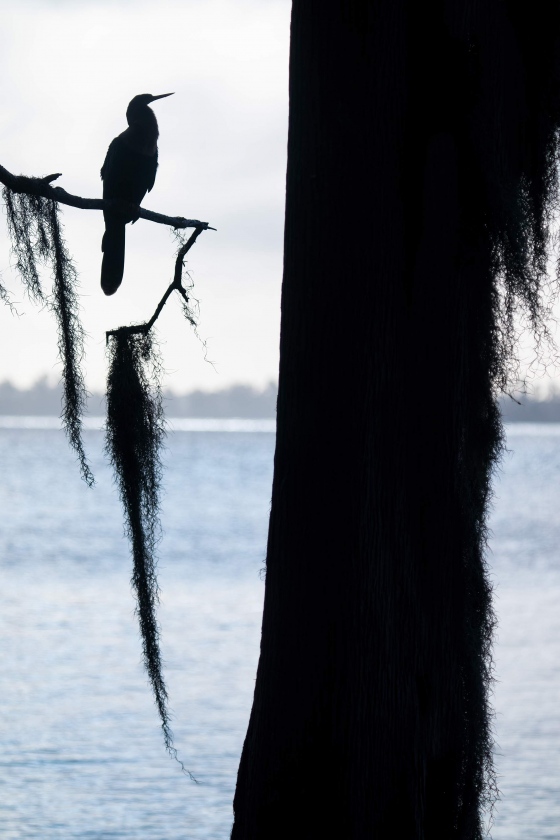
530, 410
188, 424
238, 401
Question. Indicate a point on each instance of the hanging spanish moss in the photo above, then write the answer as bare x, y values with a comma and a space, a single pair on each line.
5, 298
134, 436
189, 304
64, 304
36, 235
135, 432
28, 225
135, 421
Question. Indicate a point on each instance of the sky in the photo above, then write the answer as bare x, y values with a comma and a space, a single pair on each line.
69, 70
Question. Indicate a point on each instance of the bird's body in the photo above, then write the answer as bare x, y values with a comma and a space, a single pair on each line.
128, 173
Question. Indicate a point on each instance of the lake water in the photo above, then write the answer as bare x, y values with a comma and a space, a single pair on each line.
81, 750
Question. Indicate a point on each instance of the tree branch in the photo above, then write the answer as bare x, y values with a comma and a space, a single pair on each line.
175, 285
42, 187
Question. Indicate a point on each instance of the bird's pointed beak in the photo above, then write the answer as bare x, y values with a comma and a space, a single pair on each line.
160, 96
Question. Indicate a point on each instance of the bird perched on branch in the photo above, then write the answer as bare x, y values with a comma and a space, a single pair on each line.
128, 174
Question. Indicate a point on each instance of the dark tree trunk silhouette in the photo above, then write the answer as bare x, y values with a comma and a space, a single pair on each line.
421, 172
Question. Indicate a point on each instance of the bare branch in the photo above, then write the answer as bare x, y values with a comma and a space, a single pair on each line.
42, 187
175, 285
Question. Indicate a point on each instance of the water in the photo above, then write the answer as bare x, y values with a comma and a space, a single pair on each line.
526, 574
82, 754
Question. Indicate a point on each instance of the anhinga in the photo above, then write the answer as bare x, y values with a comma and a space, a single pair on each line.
128, 174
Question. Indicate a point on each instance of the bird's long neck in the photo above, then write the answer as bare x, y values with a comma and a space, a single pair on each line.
142, 132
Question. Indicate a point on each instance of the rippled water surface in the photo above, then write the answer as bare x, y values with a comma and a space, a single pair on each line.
82, 755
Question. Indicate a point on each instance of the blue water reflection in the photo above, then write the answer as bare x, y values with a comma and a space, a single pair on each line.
82, 753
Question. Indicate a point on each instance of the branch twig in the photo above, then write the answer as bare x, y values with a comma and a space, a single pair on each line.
42, 187
175, 285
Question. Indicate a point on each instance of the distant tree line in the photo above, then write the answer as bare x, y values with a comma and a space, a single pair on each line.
526, 409
43, 399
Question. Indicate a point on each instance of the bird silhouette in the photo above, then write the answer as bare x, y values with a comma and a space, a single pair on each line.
128, 173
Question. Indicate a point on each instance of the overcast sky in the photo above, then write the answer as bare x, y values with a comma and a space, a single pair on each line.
69, 70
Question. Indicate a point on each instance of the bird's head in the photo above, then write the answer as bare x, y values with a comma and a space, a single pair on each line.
138, 106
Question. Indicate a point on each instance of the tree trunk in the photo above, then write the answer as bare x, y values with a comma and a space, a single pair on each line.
408, 147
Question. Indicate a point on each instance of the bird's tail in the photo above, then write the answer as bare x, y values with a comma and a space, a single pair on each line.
112, 245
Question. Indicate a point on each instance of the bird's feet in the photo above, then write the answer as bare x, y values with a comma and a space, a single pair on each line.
134, 212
